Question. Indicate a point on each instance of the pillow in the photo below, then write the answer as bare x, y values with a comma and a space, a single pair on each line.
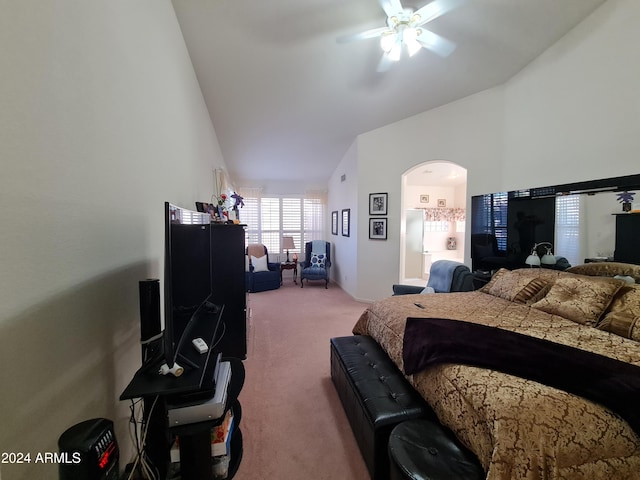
533, 291
427, 290
524, 285
627, 279
259, 264
247, 264
623, 317
607, 269
579, 298
318, 260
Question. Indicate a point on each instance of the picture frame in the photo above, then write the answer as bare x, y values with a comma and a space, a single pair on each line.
378, 203
424, 198
346, 217
442, 202
378, 228
205, 207
334, 222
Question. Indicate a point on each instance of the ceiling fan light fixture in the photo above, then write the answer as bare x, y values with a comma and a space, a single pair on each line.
410, 38
387, 41
395, 52
404, 27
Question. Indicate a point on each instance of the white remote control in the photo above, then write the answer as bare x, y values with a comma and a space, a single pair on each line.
200, 345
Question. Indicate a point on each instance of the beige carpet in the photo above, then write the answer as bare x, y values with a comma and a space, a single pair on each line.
293, 424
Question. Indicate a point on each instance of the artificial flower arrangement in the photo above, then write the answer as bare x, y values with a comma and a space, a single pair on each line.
626, 198
218, 209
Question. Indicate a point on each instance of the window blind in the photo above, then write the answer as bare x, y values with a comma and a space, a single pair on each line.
490, 216
567, 241
269, 218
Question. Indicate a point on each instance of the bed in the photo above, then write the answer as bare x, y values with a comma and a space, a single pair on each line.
520, 428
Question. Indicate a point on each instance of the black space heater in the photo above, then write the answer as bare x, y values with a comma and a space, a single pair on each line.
89, 451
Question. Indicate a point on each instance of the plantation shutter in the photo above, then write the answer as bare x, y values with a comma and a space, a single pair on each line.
269, 218
292, 221
270, 223
567, 241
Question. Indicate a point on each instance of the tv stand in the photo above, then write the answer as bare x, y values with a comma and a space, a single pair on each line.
195, 438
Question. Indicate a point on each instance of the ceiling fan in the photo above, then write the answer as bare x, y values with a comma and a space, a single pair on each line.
405, 28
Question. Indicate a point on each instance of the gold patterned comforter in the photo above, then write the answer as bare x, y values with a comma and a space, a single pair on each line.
519, 429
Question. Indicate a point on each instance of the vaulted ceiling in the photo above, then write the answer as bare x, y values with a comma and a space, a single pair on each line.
286, 100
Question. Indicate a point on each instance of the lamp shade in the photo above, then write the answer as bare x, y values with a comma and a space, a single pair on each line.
548, 258
533, 260
287, 243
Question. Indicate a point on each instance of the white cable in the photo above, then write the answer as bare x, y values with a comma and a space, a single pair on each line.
146, 469
144, 462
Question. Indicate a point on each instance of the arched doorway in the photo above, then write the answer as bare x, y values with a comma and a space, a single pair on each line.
434, 196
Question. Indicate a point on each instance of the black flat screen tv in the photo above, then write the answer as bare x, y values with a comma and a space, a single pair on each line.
187, 276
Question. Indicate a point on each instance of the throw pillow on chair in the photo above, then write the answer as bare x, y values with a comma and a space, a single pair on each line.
317, 260
259, 264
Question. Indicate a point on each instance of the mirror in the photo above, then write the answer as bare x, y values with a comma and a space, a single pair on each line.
579, 219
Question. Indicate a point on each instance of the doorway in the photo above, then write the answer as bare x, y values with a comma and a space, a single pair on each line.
434, 197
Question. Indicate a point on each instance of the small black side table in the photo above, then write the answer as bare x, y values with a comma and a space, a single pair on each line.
293, 265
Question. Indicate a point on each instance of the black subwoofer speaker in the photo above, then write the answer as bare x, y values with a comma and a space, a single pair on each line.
150, 328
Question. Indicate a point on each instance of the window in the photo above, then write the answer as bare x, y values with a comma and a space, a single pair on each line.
436, 226
490, 216
269, 218
567, 242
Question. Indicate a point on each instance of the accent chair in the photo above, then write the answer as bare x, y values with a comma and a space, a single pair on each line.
445, 276
317, 262
260, 273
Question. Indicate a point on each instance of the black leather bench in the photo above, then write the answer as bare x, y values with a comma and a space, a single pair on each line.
375, 395
423, 449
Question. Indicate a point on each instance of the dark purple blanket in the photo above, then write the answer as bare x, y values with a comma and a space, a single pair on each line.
609, 382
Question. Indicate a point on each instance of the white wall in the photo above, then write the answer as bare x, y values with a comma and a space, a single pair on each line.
102, 120
342, 195
600, 225
571, 115
466, 132
449, 194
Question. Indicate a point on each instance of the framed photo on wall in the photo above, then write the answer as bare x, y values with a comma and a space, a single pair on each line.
378, 228
334, 222
424, 198
378, 203
442, 202
346, 217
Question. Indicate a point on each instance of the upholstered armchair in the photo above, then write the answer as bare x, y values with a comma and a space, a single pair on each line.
317, 262
445, 276
261, 274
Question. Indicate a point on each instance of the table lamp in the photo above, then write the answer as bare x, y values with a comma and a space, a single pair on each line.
287, 243
547, 259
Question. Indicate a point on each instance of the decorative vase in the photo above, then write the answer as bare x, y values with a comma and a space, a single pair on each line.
626, 207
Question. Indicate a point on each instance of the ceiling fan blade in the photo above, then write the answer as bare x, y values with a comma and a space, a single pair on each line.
433, 10
435, 43
391, 7
384, 64
375, 32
